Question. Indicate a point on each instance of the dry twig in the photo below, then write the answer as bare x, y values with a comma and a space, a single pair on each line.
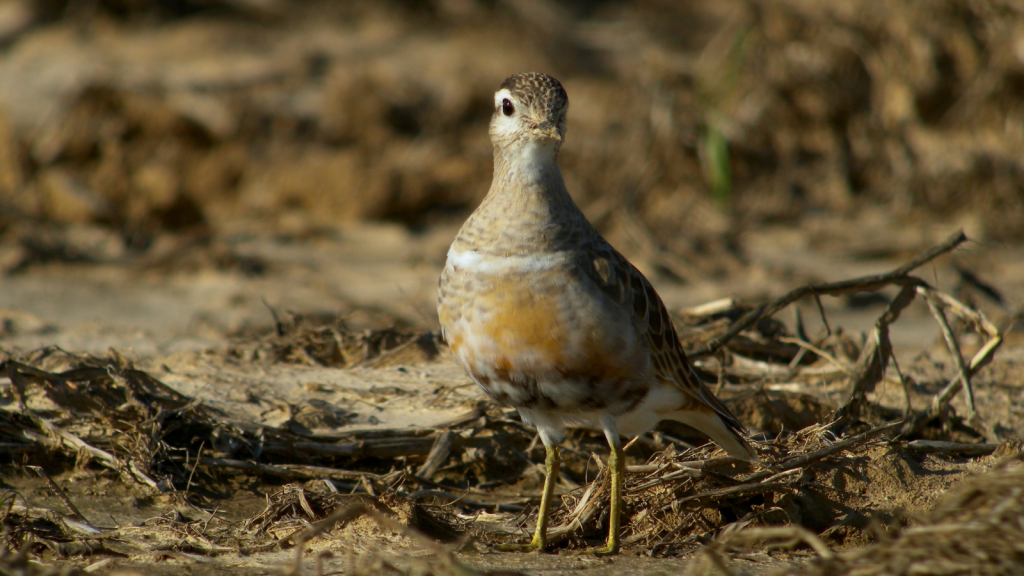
899, 277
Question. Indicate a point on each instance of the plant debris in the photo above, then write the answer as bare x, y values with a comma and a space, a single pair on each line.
824, 484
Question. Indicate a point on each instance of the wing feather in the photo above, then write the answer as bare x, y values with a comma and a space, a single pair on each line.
621, 281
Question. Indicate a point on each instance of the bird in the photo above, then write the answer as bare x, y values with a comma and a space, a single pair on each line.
547, 317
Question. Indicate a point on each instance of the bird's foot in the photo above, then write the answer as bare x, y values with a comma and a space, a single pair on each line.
534, 545
609, 549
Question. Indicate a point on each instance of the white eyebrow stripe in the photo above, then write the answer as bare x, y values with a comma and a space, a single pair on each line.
476, 262
500, 95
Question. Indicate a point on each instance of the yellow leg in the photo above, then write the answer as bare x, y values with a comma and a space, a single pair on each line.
617, 471
551, 464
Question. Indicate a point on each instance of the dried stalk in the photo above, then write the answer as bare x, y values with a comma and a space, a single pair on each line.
899, 277
749, 489
981, 358
874, 357
60, 494
288, 470
373, 447
954, 348
952, 448
792, 535
803, 460
439, 453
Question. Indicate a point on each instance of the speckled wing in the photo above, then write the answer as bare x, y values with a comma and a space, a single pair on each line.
624, 284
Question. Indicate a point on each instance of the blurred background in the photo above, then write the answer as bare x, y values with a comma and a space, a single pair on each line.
730, 147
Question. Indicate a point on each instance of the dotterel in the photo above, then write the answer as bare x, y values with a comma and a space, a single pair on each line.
547, 317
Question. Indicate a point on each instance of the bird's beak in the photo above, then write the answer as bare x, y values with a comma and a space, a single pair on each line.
549, 131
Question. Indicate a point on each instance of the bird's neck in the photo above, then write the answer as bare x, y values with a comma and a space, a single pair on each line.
527, 177
527, 206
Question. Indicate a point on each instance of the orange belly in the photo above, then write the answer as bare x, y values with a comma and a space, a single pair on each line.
527, 349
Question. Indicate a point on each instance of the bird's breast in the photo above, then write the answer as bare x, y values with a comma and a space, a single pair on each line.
533, 333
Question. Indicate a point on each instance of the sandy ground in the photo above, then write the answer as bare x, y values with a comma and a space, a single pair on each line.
386, 268
179, 180
179, 325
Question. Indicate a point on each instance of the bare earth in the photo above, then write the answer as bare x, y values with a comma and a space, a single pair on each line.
222, 223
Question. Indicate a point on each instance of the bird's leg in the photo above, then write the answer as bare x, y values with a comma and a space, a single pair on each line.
617, 471
551, 465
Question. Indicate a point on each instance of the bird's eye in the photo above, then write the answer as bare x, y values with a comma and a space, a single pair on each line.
506, 107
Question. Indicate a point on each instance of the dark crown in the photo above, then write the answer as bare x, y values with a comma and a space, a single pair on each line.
537, 90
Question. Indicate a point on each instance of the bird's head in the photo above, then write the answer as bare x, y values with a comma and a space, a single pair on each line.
529, 114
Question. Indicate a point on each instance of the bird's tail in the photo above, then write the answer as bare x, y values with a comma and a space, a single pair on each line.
710, 423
